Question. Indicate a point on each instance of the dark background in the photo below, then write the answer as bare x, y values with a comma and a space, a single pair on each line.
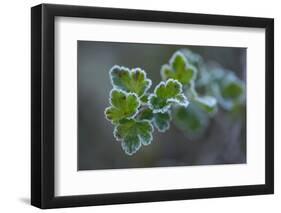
223, 143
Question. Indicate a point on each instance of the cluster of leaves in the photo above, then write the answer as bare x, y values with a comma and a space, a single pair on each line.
213, 88
135, 112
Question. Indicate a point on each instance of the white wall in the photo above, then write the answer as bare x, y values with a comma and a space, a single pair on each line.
15, 105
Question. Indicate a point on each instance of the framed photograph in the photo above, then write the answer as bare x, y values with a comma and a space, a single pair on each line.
139, 106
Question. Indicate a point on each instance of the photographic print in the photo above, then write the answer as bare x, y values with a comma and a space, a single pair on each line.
159, 105
154, 100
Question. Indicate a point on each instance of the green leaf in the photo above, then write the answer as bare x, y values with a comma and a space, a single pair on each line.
207, 103
193, 58
165, 94
229, 91
144, 99
192, 120
232, 88
133, 80
180, 99
179, 69
123, 105
133, 134
226, 104
162, 121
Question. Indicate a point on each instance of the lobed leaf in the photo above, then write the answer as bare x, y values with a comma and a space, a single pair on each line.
193, 58
229, 91
162, 121
133, 80
232, 87
165, 94
123, 105
191, 120
179, 69
133, 134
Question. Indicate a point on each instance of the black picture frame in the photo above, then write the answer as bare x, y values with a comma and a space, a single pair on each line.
43, 101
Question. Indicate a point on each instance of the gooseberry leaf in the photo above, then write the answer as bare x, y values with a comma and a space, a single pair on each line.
162, 121
123, 105
179, 69
165, 94
133, 134
179, 99
130, 80
192, 120
232, 87
193, 58
229, 91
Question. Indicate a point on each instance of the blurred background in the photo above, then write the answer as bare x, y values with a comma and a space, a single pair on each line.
222, 142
